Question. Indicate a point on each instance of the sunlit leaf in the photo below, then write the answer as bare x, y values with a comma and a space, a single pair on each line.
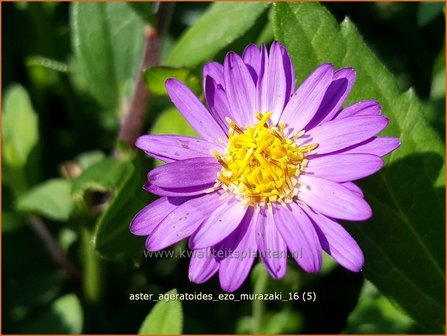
166, 317
108, 43
221, 25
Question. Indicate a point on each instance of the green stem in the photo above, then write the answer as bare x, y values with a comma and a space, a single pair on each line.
258, 305
18, 181
91, 277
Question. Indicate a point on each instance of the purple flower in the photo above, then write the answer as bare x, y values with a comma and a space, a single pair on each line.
271, 173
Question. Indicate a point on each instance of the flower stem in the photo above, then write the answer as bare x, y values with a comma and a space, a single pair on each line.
132, 122
54, 250
91, 282
258, 305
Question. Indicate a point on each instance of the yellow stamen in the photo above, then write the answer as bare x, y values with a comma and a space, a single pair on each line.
261, 165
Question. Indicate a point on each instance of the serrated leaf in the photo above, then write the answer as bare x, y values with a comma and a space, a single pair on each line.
156, 77
165, 318
221, 25
108, 42
19, 125
112, 237
47, 63
51, 199
404, 241
106, 175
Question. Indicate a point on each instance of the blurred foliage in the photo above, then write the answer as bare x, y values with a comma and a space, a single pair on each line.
68, 74
156, 77
375, 314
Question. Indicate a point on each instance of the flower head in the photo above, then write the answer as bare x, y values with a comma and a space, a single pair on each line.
271, 172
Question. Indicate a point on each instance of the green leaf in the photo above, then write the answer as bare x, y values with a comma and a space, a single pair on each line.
51, 199
282, 322
404, 241
47, 63
428, 11
105, 175
11, 221
108, 42
165, 318
221, 25
20, 127
112, 237
156, 77
145, 10
171, 121
64, 316
87, 159
375, 314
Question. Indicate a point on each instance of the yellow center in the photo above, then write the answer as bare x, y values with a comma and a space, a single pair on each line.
261, 164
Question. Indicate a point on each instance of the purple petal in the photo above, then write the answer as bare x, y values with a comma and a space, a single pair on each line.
182, 222
379, 146
218, 225
177, 192
261, 87
271, 246
290, 73
344, 167
240, 251
335, 96
272, 83
169, 148
217, 103
299, 234
353, 187
147, 219
240, 89
337, 242
363, 108
185, 173
332, 199
342, 133
303, 105
252, 58
203, 266
215, 71
194, 112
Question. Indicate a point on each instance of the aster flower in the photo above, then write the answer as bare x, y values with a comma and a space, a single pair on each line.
271, 172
